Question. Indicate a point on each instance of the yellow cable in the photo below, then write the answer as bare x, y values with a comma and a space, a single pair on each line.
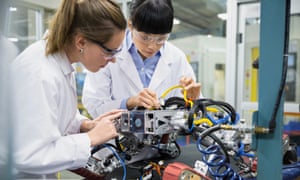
212, 109
176, 87
187, 100
169, 90
203, 120
58, 175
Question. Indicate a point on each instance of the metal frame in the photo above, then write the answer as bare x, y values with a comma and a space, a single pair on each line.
272, 42
269, 147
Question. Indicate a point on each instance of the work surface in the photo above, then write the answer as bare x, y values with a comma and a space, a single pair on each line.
189, 154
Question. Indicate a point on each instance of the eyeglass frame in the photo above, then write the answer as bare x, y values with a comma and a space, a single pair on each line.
109, 53
151, 39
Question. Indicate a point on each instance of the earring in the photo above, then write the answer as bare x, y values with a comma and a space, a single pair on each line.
81, 51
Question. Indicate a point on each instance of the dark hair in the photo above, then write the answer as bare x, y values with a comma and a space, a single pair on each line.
94, 19
152, 16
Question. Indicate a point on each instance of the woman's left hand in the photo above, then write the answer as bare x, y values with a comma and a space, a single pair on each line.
192, 88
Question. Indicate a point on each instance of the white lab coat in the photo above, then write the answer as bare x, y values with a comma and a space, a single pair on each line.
105, 89
47, 138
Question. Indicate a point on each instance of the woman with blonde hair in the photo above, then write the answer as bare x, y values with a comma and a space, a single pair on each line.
51, 135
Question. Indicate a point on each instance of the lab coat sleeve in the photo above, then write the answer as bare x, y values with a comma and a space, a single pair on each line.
97, 94
74, 127
42, 145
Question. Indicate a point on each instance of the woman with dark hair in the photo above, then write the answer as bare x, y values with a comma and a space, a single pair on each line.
147, 66
51, 135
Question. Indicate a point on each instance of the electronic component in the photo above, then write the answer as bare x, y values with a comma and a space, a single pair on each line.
155, 122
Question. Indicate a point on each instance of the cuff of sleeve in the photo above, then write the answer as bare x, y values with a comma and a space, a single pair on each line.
82, 151
79, 119
123, 104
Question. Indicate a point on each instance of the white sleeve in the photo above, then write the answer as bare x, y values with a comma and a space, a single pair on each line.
74, 127
40, 145
96, 95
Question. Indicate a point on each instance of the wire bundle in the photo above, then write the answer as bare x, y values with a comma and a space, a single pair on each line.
217, 163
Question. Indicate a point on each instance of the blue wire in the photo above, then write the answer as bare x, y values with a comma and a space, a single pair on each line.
291, 171
219, 121
119, 158
218, 162
192, 127
237, 118
241, 151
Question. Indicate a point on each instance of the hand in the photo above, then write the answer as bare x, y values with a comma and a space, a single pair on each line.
104, 128
146, 98
192, 88
88, 124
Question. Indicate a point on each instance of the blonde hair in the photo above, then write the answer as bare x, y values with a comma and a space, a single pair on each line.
94, 19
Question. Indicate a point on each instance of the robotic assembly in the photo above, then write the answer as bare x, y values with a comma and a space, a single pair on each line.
221, 137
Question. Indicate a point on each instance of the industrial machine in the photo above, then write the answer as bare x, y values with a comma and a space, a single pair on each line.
221, 139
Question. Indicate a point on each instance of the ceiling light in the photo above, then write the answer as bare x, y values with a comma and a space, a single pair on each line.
13, 9
13, 39
176, 21
222, 16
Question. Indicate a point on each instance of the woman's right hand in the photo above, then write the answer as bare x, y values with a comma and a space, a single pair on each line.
104, 128
146, 98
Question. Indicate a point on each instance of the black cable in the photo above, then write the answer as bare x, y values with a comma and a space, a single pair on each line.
175, 101
272, 122
118, 144
101, 146
198, 105
201, 132
210, 130
220, 104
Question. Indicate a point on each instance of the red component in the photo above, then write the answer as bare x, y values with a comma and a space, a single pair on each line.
164, 139
254, 165
87, 174
174, 171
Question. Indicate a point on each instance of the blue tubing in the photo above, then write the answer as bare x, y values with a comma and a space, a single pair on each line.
216, 162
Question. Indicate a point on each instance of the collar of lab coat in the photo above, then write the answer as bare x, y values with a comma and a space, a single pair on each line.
161, 72
63, 62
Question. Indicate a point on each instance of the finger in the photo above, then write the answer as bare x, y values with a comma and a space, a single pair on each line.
146, 103
114, 116
190, 86
183, 79
186, 81
149, 94
193, 91
110, 113
146, 98
150, 100
110, 123
115, 122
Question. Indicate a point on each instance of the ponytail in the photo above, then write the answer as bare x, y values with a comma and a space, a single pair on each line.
60, 26
94, 19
